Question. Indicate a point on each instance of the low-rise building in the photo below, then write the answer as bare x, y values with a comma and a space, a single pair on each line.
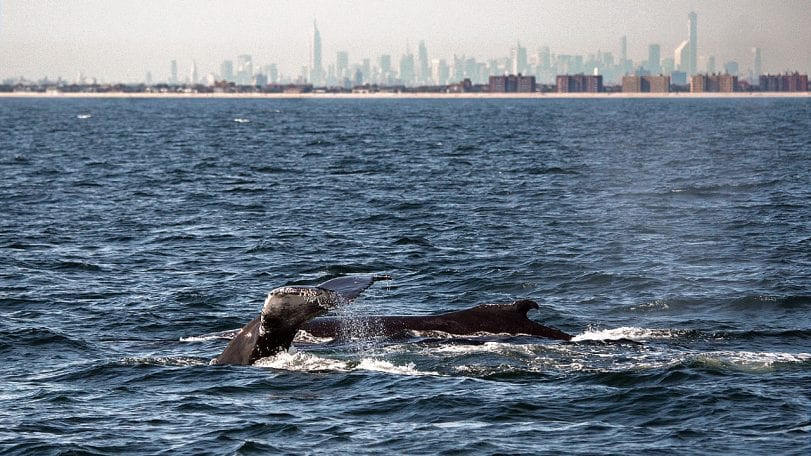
578, 83
654, 84
713, 83
512, 83
789, 82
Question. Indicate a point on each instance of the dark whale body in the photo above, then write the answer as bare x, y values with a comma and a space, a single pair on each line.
487, 318
285, 310
288, 309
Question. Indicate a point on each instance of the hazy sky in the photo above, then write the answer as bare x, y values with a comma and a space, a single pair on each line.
119, 40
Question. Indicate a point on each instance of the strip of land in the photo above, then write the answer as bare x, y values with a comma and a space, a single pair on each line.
395, 95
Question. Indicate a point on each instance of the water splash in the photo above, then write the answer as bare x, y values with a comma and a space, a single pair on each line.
358, 329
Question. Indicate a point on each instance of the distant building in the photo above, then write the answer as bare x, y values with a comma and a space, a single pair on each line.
681, 57
678, 78
789, 82
758, 64
316, 70
424, 76
654, 84
512, 83
173, 73
193, 78
244, 74
407, 70
567, 83
654, 59
732, 68
692, 62
227, 71
713, 83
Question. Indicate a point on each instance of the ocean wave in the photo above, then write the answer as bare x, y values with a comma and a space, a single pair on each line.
16, 339
722, 188
715, 304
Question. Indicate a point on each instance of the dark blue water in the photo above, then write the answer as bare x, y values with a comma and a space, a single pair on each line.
135, 233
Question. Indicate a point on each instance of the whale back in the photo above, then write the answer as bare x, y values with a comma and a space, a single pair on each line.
486, 318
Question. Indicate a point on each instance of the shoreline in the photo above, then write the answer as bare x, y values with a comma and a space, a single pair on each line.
406, 96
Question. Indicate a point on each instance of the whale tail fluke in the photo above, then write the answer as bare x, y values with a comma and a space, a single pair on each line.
350, 287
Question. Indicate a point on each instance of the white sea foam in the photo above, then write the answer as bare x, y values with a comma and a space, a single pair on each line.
242, 120
302, 361
164, 361
748, 360
309, 362
625, 332
487, 347
227, 335
379, 365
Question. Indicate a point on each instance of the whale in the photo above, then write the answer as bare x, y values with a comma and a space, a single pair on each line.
289, 309
284, 311
510, 319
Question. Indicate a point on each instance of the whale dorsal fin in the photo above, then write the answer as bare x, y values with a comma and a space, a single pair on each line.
350, 287
517, 307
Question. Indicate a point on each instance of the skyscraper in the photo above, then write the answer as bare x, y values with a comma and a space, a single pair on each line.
273, 73
758, 67
681, 57
654, 57
317, 70
193, 77
173, 73
519, 59
342, 65
407, 69
624, 63
385, 63
244, 70
732, 68
227, 71
692, 67
425, 69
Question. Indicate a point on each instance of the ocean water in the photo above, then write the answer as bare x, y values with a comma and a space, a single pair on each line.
136, 235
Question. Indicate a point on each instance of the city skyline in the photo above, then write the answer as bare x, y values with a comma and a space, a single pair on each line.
129, 55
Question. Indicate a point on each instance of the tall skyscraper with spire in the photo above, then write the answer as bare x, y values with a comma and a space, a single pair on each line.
317, 69
625, 64
692, 66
